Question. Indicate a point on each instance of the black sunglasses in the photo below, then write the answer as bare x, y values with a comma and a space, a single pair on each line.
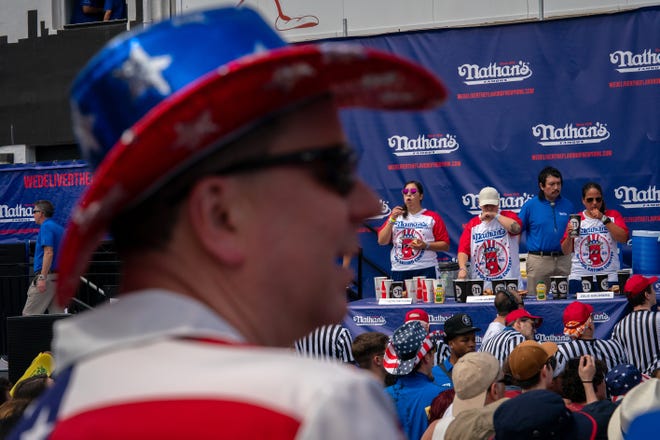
591, 199
333, 166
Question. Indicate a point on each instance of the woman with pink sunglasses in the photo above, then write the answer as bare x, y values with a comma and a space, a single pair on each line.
416, 234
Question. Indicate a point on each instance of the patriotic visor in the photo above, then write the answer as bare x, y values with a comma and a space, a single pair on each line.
153, 101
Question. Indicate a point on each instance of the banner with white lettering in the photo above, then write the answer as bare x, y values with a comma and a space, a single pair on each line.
579, 94
61, 183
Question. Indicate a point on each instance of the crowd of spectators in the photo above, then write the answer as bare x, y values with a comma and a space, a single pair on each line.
516, 387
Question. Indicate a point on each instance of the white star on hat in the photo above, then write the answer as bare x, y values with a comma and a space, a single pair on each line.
142, 72
190, 134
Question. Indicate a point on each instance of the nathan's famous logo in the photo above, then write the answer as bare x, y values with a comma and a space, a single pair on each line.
405, 253
600, 317
594, 253
571, 134
493, 258
385, 210
542, 337
438, 319
632, 197
369, 320
505, 71
510, 202
16, 213
423, 145
627, 61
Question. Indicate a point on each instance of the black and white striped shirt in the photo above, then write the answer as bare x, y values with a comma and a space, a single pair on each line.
327, 342
502, 344
442, 352
639, 334
607, 350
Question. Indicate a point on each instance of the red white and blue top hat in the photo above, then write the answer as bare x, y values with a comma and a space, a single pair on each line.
153, 101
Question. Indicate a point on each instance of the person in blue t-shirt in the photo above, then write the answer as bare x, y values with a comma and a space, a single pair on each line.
87, 11
460, 337
409, 356
544, 219
40, 294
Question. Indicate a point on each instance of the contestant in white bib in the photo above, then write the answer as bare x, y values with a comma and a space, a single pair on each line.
594, 249
416, 234
490, 240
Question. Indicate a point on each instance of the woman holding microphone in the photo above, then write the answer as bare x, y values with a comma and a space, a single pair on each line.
594, 245
416, 234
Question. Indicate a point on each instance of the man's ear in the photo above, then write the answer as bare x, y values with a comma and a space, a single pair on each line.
492, 392
213, 211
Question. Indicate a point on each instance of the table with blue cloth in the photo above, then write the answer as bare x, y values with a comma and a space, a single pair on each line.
366, 315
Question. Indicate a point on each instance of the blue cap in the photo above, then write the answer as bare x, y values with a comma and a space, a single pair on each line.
622, 379
541, 414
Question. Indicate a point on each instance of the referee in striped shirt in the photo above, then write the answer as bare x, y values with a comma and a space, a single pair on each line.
521, 326
328, 342
639, 331
579, 326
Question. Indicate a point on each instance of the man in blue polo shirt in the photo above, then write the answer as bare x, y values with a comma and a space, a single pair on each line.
544, 220
41, 292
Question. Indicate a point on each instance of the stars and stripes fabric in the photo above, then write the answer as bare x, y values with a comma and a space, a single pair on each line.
409, 344
609, 351
121, 395
328, 342
189, 375
639, 334
502, 344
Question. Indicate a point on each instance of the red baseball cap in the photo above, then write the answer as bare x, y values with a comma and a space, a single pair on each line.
636, 284
576, 314
417, 315
522, 313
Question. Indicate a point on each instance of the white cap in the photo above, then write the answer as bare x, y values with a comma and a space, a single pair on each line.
489, 196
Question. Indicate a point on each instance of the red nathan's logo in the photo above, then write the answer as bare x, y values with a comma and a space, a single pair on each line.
495, 258
594, 252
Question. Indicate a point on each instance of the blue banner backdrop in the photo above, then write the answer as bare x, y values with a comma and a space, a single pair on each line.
579, 94
366, 315
21, 185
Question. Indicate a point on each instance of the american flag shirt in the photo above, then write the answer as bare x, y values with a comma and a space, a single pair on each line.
160, 365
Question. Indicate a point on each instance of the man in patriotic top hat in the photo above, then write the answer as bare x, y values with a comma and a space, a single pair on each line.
490, 240
219, 157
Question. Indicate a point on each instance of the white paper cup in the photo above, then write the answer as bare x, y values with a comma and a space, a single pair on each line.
411, 288
388, 285
419, 287
429, 290
378, 285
